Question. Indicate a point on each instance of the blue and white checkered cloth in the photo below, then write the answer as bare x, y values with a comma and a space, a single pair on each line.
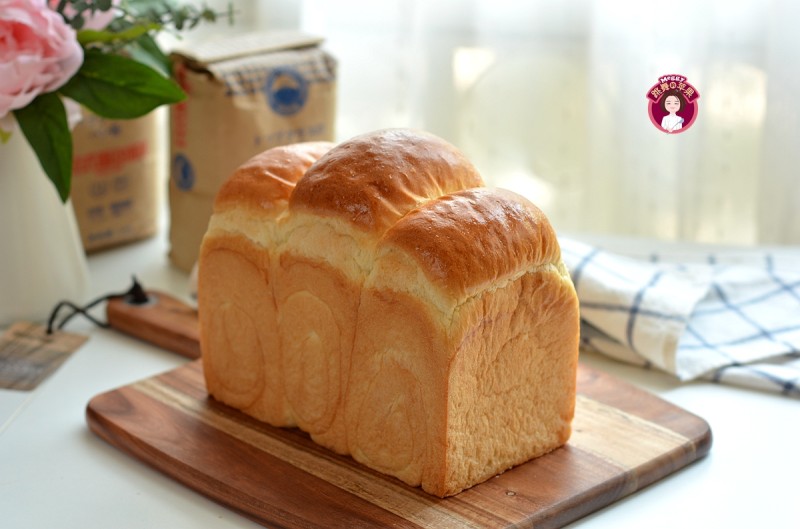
731, 316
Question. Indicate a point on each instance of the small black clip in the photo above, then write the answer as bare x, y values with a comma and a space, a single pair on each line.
136, 295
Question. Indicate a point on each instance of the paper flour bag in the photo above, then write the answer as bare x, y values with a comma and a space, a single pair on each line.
117, 176
245, 94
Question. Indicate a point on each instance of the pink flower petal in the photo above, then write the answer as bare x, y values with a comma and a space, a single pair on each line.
39, 52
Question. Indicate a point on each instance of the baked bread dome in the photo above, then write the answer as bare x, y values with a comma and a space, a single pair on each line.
377, 296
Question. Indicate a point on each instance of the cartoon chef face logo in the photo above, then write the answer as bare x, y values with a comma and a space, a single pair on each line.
672, 104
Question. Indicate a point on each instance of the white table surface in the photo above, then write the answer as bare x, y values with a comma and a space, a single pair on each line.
54, 473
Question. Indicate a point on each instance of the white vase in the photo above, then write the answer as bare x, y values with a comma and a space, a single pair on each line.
41, 256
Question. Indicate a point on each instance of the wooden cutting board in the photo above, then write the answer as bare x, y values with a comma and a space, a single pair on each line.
623, 439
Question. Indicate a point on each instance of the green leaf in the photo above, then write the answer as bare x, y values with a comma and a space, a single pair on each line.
93, 36
44, 124
146, 51
116, 87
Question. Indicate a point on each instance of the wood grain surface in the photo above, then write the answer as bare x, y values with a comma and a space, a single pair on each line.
623, 439
165, 321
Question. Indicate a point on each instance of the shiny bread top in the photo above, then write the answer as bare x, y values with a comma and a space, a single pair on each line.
268, 179
373, 180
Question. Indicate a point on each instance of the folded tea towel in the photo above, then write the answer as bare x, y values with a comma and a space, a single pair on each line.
730, 316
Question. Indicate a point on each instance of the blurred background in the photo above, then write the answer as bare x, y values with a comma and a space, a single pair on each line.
547, 97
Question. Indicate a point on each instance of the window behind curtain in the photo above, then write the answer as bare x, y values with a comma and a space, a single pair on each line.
547, 97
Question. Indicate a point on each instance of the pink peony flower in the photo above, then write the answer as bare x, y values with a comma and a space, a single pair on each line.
38, 52
99, 20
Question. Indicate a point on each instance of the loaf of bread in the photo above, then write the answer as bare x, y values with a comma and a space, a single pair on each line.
377, 296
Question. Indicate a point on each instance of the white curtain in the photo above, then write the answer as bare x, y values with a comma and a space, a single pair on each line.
547, 97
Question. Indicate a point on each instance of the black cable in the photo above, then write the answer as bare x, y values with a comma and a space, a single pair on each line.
75, 310
135, 295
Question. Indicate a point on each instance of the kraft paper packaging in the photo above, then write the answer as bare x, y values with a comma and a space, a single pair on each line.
245, 94
117, 176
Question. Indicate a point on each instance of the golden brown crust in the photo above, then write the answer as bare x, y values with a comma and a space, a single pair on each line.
315, 328
397, 310
237, 327
475, 237
446, 409
512, 380
374, 179
269, 177
396, 406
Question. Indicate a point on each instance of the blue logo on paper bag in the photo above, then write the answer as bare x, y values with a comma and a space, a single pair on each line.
183, 172
286, 91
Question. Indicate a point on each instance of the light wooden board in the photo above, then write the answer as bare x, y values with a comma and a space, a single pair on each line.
623, 439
